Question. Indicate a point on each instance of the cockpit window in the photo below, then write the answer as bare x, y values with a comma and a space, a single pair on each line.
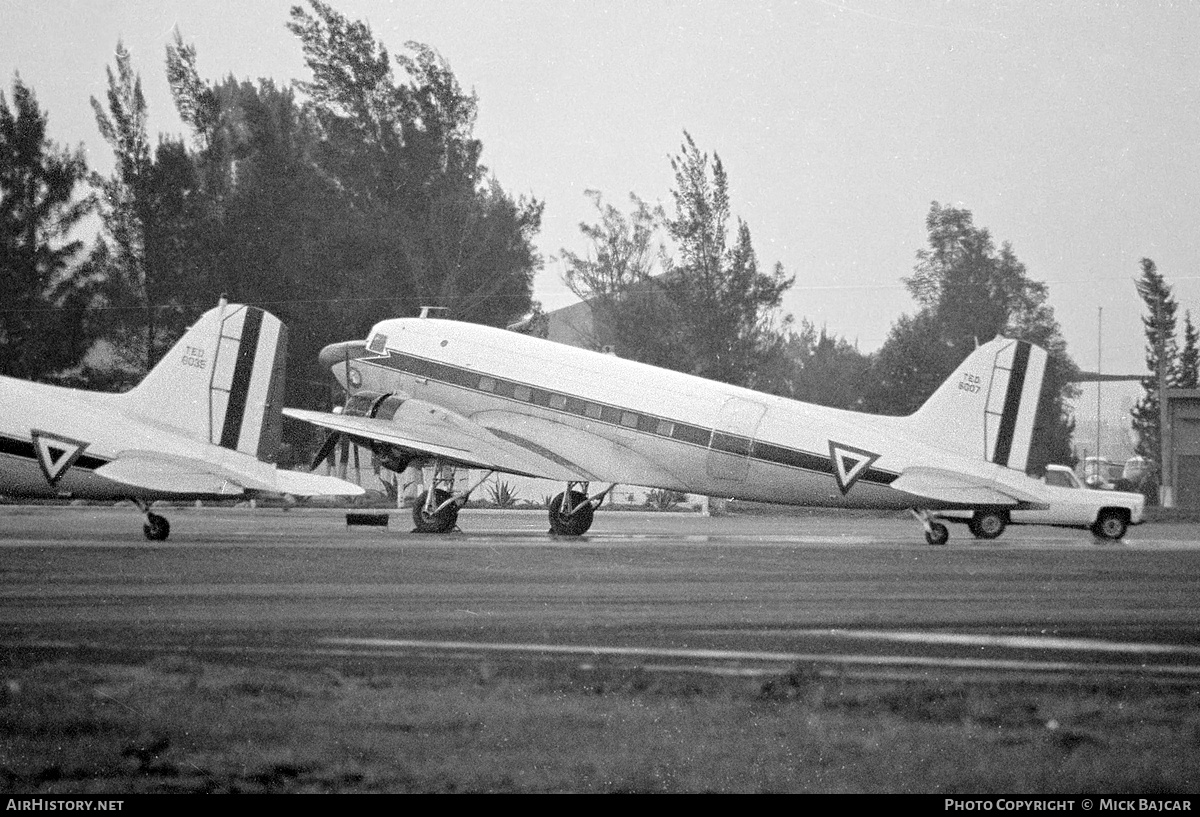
378, 343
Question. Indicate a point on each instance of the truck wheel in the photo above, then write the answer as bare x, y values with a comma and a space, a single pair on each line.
1110, 524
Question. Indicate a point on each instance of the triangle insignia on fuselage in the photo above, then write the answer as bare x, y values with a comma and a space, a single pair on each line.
849, 463
55, 454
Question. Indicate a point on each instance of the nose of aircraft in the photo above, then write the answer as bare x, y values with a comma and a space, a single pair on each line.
336, 354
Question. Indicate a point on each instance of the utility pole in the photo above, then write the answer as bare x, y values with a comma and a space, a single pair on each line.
1099, 364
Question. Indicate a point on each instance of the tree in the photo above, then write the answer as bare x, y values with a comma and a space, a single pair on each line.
428, 224
619, 280
1162, 354
44, 287
825, 369
144, 201
266, 226
726, 306
968, 292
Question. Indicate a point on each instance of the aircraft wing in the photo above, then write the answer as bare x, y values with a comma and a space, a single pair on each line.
943, 488
428, 429
172, 473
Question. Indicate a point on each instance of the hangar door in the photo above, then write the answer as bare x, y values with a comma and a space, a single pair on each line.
732, 439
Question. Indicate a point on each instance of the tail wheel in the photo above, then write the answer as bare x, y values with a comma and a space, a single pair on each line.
987, 524
439, 521
938, 534
575, 524
1110, 525
157, 528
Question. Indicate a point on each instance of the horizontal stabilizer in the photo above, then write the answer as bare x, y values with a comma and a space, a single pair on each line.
940, 488
424, 428
173, 474
301, 483
170, 476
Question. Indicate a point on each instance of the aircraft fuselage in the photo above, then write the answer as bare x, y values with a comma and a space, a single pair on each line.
52, 440
615, 420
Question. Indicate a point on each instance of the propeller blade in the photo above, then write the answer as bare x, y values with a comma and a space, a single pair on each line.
326, 451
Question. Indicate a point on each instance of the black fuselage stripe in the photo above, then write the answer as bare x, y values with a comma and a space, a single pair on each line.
1012, 404
24, 449
243, 369
712, 439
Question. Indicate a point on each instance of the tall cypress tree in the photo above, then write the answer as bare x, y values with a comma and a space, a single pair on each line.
146, 287
1161, 351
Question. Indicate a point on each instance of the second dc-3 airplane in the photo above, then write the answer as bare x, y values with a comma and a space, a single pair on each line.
444, 393
205, 423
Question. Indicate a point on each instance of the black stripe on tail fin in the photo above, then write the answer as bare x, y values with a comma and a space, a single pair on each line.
1012, 404
235, 409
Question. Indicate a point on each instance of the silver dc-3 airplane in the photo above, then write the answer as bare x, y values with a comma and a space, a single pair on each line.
440, 393
205, 423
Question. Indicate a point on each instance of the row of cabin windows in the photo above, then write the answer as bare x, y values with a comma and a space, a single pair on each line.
593, 411
558, 402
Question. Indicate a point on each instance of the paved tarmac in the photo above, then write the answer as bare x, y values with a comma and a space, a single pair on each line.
847, 593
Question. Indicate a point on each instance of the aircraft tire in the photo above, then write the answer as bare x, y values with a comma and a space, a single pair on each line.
1110, 525
442, 521
938, 534
157, 528
987, 524
576, 524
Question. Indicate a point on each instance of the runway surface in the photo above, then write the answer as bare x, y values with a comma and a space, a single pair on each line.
849, 594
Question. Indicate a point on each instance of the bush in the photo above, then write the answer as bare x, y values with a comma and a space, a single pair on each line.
503, 495
664, 500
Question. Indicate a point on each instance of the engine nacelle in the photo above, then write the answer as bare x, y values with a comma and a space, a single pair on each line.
381, 407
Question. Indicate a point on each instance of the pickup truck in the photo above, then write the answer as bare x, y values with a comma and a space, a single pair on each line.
1108, 514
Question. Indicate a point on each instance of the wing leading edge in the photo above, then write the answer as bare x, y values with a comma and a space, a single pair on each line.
428, 429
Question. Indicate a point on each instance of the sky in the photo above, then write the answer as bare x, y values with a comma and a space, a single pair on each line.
1069, 128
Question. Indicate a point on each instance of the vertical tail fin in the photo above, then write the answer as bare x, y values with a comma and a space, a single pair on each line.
987, 408
222, 382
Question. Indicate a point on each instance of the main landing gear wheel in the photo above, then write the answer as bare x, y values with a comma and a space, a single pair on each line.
574, 524
1110, 525
157, 528
938, 534
987, 524
438, 521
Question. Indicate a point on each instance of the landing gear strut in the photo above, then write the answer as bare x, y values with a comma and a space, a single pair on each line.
436, 510
571, 511
157, 528
936, 533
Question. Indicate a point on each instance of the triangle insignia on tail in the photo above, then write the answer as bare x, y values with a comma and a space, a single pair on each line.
849, 463
55, 454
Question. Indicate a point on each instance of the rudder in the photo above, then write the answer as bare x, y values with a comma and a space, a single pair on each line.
988, 406
222, 382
